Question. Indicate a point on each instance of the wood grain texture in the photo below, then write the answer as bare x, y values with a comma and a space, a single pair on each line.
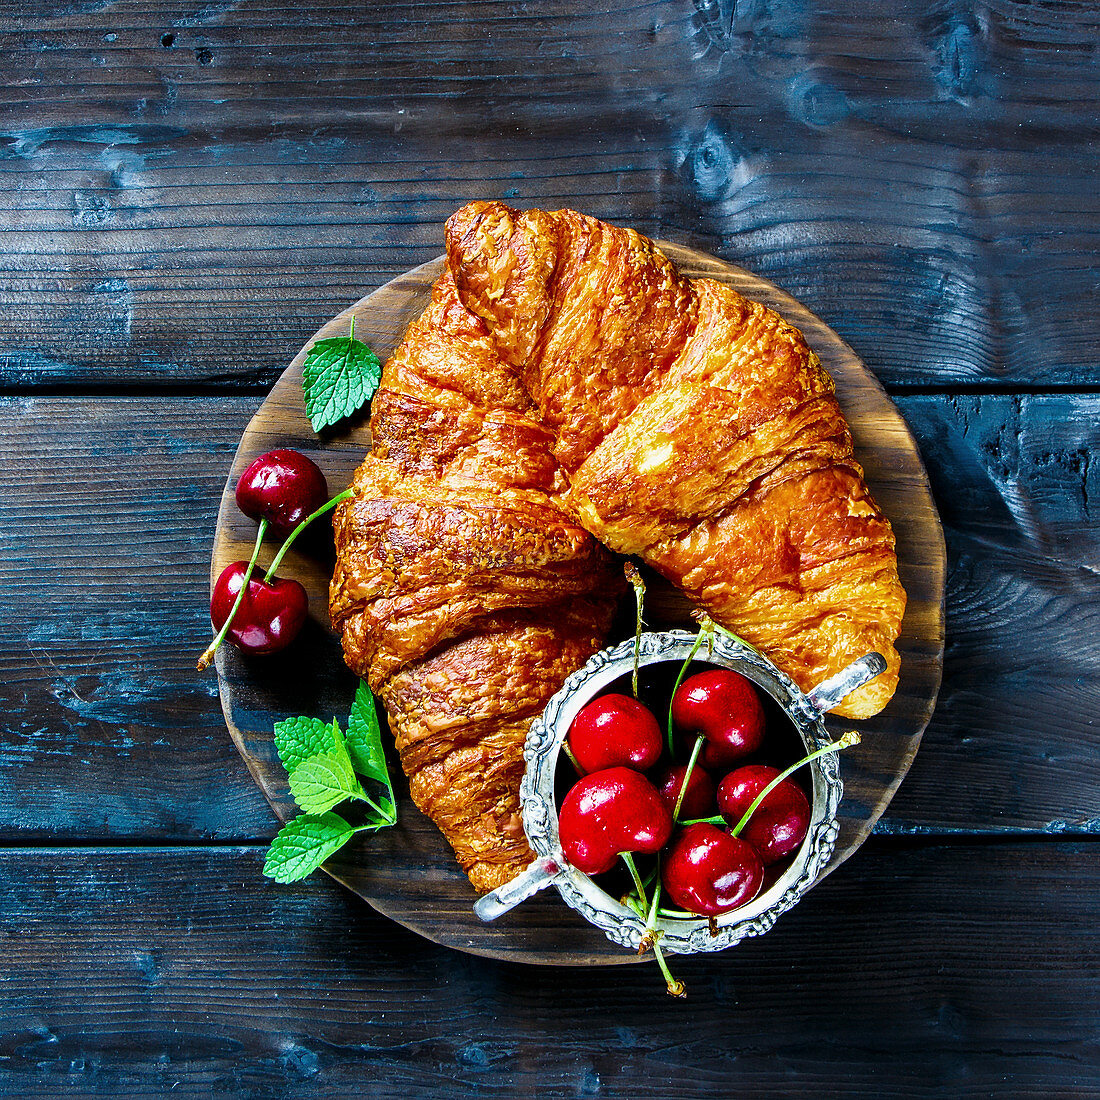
108, 730
188, 189
175, 176
204, 979
408, 872
1017, 487
1012, 744
109, 734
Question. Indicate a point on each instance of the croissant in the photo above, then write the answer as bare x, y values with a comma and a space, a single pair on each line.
463, 592
697, 430
566, 385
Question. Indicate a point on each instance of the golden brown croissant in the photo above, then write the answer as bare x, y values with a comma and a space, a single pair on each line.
463, 592
697, 430
566, 382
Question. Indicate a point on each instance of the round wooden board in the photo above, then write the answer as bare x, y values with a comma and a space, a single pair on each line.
408, 872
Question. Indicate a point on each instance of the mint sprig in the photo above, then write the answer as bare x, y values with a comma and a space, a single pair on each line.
364, 741
324, 781
297, 739
324, 770
339, 377
305, 843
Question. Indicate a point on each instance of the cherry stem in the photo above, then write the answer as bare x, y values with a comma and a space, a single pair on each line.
674, 986
572, 759
696, 749
635, 578
208, 655
651, 918
851, 738
704, 632
277, 560
649, 913
628, 859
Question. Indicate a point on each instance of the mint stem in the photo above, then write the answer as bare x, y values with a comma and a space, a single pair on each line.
300, 528
387, 818
208, 654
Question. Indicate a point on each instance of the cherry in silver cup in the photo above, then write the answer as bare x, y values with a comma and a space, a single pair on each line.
621, 925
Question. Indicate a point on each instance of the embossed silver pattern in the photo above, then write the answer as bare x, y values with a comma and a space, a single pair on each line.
543, 746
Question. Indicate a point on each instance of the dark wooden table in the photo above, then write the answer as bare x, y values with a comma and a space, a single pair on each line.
189, 189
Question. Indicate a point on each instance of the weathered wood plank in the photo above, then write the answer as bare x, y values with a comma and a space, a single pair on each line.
915, 971
108, 521
1017, 492
903, 65
108, 731
190, 212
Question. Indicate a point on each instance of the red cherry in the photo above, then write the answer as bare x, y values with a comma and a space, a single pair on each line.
615, 730
699, 796
707, 871
283, 487
608, 812
779, 824
270, 615
724, 707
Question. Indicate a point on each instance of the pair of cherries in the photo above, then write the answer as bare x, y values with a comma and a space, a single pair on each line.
284, 491
614, 808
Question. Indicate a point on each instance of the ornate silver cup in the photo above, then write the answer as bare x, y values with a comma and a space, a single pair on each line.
540, 816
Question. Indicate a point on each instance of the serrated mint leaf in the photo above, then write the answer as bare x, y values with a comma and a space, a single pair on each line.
364, 740
339, 377
297, 739
322, 781
304, 844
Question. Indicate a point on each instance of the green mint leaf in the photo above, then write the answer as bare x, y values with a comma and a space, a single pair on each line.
365, 737
304, 844
339, 377
389, 812
297, 739
322, 781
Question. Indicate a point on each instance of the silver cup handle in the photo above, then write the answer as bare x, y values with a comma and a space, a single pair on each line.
537, 877
830, 692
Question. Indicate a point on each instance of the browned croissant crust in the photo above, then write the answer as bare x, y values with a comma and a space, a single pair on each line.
464, 593
697, 430
566, 382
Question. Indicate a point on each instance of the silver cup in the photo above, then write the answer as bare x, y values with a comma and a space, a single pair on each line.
540, 816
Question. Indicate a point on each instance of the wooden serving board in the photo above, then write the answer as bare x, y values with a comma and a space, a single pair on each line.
408, 872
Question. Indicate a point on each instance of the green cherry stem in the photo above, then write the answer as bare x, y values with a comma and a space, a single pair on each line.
212, 648
635, 578
277, 560
651, 918
674, 986
849, 739
695, 750
648, 912
572, 759
703, 634
707, 623
628, 859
